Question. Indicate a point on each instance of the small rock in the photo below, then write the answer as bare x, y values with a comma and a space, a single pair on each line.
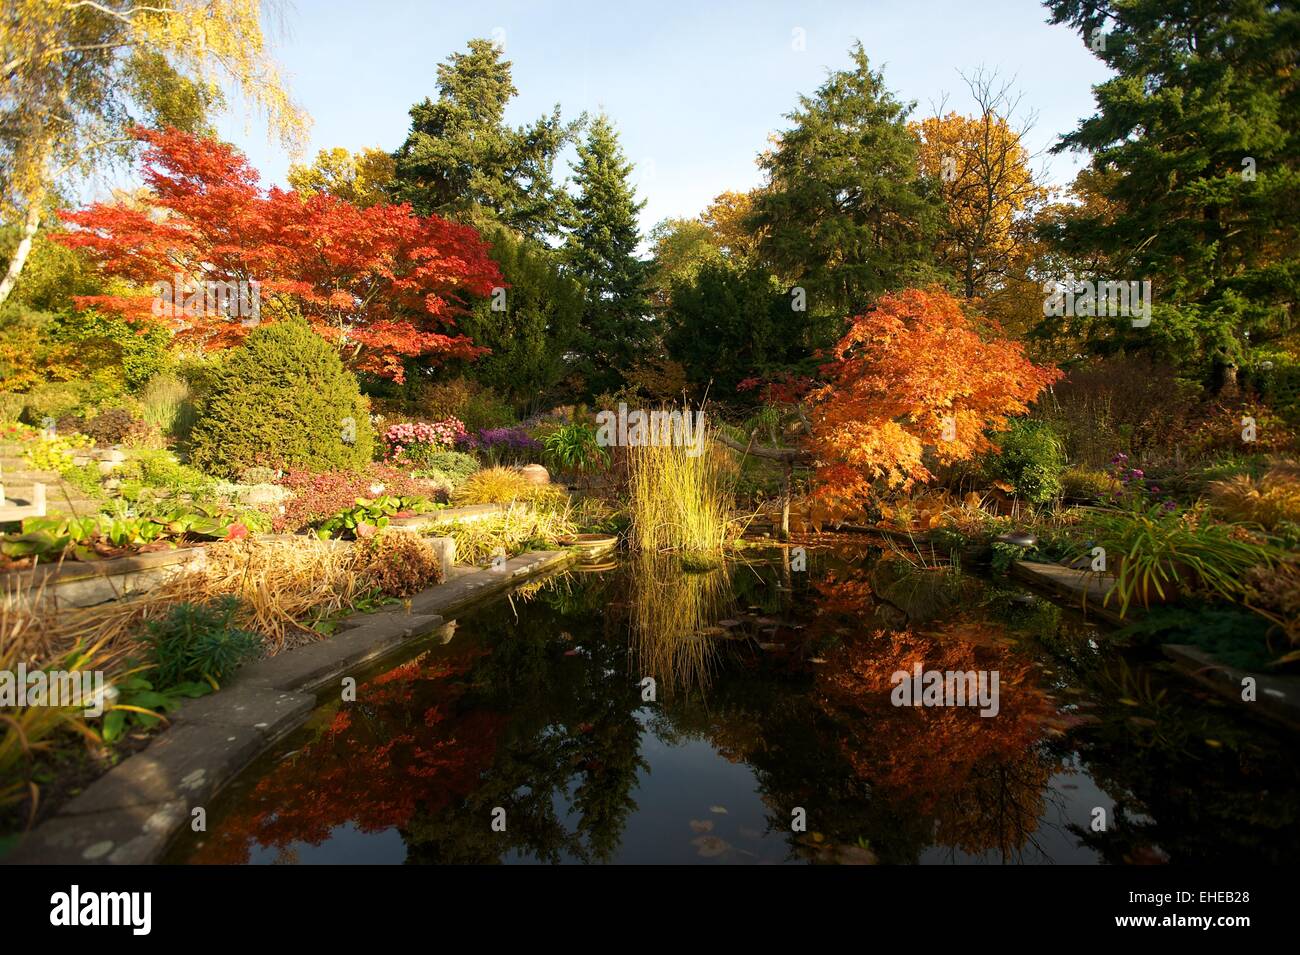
536, 474
1018, 539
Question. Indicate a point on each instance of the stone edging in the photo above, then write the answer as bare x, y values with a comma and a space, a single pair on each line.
131, 814
1277, 697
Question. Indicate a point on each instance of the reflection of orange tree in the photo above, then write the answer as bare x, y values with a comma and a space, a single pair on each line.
397, 749
982, 778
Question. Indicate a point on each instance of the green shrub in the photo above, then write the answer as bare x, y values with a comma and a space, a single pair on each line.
258, 476
55, 400
1031, 461
198, 642
1088, 484
282, 400
477, 406
160, 470
11, 405
128, 352
453, 466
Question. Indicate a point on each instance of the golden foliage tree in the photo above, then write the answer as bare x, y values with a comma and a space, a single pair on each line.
361, 178
77, 75
983, 171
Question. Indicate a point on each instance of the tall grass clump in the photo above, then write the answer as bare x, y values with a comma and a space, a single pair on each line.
678, 500
166, 404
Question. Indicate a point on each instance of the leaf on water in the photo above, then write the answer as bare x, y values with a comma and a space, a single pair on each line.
710, 846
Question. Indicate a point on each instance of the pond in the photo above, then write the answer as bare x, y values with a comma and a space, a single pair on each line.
644, 712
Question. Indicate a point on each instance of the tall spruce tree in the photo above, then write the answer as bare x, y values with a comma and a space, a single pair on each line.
601, 249
1195, 143
846, 214
461, 161
531, 328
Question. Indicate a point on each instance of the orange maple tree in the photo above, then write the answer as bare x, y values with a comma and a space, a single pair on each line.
381, 282
913, 382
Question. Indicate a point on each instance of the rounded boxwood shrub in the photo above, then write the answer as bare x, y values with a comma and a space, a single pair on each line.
1031, 460
282, 400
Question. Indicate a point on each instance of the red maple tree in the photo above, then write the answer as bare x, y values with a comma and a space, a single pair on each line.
382, 283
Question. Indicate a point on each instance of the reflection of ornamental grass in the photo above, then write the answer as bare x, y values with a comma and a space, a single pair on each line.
678, 502
672, 615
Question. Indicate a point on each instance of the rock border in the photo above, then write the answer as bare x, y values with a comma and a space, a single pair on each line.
131, 814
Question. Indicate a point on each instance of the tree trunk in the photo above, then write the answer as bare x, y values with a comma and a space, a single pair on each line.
31, 223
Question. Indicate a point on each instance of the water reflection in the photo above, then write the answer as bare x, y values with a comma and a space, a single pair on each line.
773, 697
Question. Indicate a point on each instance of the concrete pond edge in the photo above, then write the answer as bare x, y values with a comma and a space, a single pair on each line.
131, 814
1276, 697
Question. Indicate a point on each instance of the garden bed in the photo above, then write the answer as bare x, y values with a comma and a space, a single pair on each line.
75, 583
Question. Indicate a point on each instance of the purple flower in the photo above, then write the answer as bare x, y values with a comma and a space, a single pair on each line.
487, 439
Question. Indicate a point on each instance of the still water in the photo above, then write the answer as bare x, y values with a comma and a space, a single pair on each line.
650, 713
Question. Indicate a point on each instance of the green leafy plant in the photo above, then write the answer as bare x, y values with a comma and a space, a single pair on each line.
573, 449
198, 641
139, 704
1156, 552
369, 515
1031, 460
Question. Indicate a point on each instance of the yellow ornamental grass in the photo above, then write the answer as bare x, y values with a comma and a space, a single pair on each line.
1269, 501
679, 499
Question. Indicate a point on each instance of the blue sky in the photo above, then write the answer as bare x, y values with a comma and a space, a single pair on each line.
695, 87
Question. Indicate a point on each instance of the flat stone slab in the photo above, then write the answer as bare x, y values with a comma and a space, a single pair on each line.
186, 764
1086, 589
313, 666
271, 712
135, 835
1277, 698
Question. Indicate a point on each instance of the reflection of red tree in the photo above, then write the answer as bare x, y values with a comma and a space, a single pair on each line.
399, 748
944, 760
